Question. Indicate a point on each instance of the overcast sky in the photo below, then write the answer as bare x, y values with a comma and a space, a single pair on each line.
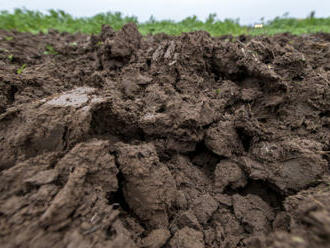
249, 11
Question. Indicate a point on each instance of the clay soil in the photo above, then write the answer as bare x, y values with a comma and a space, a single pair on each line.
118, 140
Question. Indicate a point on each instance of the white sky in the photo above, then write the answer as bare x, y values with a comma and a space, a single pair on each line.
249, 11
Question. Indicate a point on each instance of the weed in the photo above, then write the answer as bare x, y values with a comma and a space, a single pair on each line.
218, 91
21, 69
8, 38
50, 50
74, 44
10, 57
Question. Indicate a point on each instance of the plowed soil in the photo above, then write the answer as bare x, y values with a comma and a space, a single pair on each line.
118, 140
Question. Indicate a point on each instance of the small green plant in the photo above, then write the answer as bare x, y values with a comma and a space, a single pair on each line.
8, 38
218, 91
21, 69
50, 50
10, 57
74, 44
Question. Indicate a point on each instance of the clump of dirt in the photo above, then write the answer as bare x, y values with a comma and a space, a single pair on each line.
119, 140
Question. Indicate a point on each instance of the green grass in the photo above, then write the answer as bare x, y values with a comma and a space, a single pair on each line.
33, 21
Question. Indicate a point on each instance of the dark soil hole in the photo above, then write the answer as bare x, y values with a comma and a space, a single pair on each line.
268, 59
162, 109
245, 138
111, 232
265, 191
118, 196
104, 122
263, 120
248, 228
11, 93
325, 113
164, 156
148, 61
204, 158
242, 38
177, 76
215, 71
298, 78
241, 75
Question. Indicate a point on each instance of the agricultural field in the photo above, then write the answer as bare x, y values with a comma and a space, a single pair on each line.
35, 22
163, 135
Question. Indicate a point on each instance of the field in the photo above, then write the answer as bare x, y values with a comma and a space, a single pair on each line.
32, 21
118, 139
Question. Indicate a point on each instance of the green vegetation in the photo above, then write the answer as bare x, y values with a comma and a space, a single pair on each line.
10, 57
21, 69
8, 38
33, 21
50, 50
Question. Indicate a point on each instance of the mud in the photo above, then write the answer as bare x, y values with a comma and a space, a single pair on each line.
119, 140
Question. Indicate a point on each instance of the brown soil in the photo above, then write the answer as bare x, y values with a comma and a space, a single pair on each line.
120, 140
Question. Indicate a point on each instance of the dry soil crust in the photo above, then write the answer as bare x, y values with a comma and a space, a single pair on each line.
119, 140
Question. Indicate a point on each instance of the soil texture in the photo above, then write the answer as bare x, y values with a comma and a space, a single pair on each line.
119, 140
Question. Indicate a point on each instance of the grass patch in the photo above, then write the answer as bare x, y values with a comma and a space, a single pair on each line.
34, 21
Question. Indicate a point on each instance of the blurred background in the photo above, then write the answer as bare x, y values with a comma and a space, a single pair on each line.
248, 12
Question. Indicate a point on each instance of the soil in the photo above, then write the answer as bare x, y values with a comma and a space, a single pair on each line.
120, 140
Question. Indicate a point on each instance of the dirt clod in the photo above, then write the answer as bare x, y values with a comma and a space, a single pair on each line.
163, 142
